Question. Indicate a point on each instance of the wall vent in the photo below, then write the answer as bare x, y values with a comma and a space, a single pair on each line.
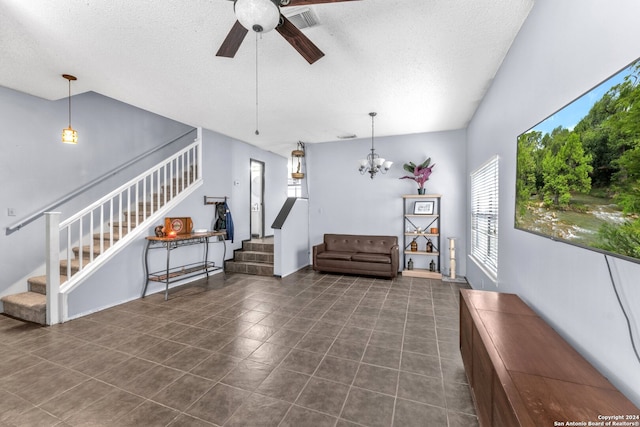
303, 18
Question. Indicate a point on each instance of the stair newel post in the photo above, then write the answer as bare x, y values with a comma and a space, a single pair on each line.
52, 257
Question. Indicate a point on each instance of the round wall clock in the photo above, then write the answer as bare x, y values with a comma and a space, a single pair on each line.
177, 225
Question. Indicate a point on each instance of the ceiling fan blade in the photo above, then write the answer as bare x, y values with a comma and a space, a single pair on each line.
299, 41
232, 42
310, 2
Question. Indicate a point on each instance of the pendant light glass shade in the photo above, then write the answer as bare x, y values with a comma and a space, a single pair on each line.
296, 155
69, 135
260, 16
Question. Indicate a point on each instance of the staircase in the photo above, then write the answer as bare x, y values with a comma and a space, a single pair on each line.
32, 305
255, 257
101, 230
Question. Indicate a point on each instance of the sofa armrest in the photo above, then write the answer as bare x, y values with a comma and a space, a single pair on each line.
395, 259
318, 249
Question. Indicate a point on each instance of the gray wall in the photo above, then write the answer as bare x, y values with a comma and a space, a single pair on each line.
343, 201
226, 161
36, 168
563, 50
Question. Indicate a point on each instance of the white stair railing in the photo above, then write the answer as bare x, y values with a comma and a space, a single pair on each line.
103, 228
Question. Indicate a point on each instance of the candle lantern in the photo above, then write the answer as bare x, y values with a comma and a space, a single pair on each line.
429, 246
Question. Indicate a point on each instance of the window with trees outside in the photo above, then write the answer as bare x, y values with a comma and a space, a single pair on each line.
484, 217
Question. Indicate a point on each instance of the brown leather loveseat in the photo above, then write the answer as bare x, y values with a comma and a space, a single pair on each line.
355, 254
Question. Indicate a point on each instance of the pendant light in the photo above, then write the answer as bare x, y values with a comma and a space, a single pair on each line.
69, 135
373, 163
297, 154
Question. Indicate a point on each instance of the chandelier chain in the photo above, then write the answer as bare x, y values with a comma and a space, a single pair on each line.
257, 131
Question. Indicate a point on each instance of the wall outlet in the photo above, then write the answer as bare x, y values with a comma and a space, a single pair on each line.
11, 212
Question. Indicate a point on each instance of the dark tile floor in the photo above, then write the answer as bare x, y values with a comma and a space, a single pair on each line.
308, 350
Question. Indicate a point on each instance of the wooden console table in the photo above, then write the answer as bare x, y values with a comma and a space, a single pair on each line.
173, 274
523, 373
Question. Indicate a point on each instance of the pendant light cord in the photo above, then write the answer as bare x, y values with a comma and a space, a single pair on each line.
257, 131
69, 80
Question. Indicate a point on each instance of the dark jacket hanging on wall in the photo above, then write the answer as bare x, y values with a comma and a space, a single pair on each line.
224, 221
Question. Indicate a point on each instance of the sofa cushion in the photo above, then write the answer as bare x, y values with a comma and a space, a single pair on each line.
346, 256
356, 243
366, 257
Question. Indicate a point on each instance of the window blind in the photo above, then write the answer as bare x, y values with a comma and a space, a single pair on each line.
484, 216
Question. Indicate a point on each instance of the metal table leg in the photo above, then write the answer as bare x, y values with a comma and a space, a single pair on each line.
146, 268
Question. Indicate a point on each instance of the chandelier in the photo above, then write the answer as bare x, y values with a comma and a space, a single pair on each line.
373, 163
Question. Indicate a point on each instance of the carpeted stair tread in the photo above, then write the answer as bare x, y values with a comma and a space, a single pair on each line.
107, 236
30, 306
86, 249
38, 284
75, 265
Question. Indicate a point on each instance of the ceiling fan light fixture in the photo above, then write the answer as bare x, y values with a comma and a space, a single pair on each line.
260, 16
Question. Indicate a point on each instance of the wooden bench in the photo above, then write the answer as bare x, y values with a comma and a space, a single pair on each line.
523, 373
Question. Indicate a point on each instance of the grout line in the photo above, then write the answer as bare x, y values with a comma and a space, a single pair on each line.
325, 354
320, 290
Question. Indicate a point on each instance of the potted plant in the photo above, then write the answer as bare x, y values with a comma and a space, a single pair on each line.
420, 173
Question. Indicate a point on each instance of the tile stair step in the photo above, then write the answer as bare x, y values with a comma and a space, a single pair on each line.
257, 246
254, 256
38, 284
255, 268
29, 306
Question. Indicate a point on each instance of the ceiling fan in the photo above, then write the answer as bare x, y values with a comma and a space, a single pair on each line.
262, 16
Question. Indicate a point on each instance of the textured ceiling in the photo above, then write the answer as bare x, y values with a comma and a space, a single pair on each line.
422, 65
